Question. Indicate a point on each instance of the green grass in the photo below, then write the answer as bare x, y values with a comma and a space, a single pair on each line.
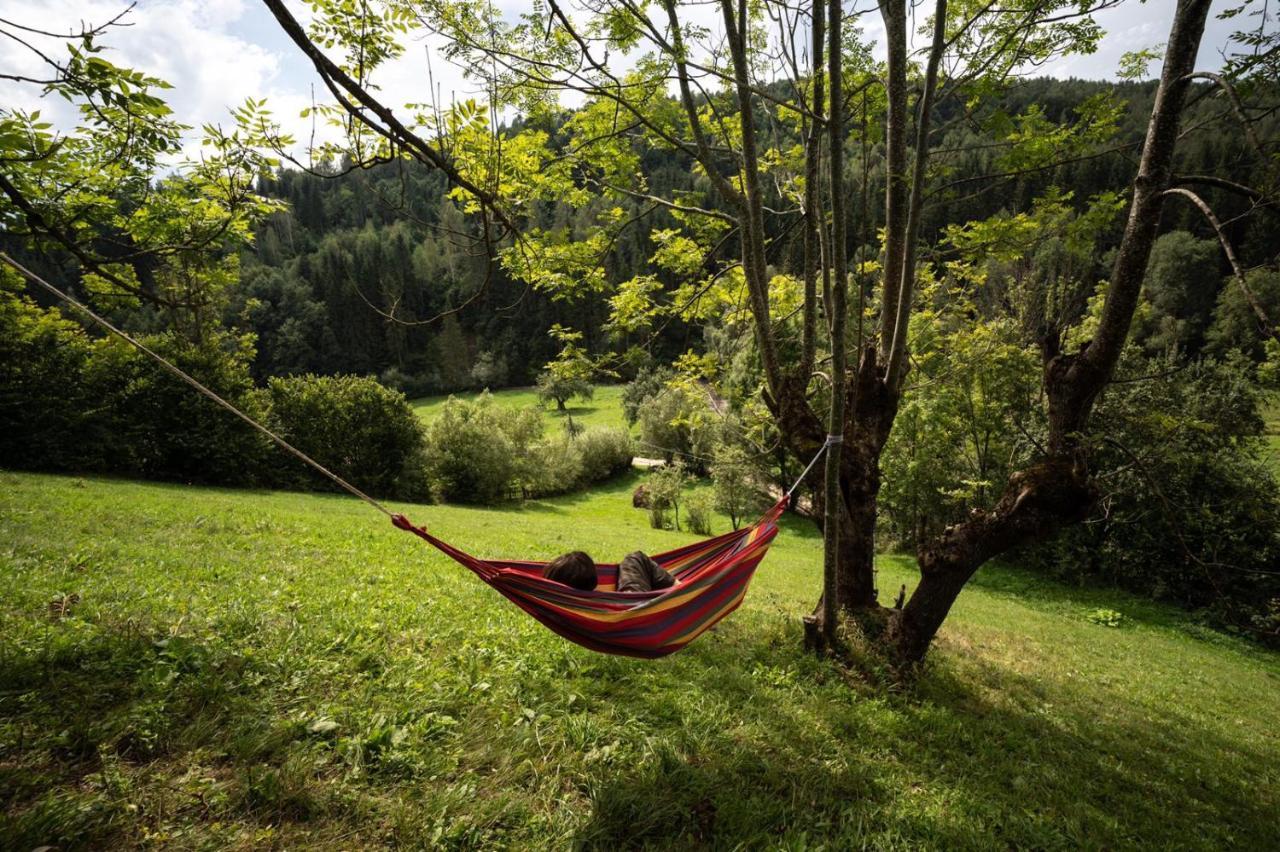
266, 670
604, 409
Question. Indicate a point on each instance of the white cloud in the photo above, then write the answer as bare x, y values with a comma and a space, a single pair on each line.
216, 53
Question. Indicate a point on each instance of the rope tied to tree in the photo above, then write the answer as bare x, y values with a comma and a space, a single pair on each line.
831, 441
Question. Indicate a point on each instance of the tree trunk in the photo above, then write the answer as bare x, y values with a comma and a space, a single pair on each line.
871, 411
1036, 503
836, 510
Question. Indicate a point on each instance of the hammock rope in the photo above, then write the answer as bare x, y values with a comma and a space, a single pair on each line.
711, 576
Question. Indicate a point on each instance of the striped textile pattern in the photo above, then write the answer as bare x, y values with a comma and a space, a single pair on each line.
711, 580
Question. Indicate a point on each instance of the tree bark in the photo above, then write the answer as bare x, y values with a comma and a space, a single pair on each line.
894, 13
906, 289
836, 509
813, 225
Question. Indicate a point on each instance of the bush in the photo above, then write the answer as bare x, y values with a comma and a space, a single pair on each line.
1191, 513
697, 512
43, 399
489, 371
471, 456
354, 426
171, 430
555, 467
677, 422
960, 430
68, 402
731, 474
605, 453
410, 384
665, 486
648, 384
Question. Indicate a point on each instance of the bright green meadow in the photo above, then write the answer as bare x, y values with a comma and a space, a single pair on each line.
603, 409
260, 670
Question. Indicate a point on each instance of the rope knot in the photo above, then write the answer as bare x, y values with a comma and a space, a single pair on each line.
832, 440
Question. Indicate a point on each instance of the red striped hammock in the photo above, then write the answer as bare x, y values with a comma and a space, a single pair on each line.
711, 580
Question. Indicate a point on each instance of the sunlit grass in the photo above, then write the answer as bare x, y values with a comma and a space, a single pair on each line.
603, 409
257, 670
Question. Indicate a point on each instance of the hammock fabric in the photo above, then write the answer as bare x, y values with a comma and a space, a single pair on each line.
711, 580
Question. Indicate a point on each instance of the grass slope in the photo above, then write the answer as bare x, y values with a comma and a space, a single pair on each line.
259, 670
604, 409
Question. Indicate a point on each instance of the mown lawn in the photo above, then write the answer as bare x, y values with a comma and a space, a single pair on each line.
604, 409
266, 670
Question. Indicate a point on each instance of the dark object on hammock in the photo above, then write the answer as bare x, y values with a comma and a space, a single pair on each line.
711, 579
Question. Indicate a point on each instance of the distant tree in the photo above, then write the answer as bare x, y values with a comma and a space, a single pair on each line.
555, 386
731, 476
569, 375
453, 354
1236, 324
1182, 283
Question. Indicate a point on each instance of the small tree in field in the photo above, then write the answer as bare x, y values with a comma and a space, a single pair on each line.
558, 388
665, 486
569, 375
731, 475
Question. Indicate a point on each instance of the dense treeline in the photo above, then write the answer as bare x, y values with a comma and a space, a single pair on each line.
354, 250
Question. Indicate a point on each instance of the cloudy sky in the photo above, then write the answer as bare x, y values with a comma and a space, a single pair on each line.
216, 53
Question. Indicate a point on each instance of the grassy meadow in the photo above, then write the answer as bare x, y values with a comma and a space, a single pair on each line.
603, 409
205, 668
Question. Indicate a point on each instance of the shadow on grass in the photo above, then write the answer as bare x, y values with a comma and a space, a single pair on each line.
572, 411
749, 744
1043, 593
1049, 594
953, 764
86, 704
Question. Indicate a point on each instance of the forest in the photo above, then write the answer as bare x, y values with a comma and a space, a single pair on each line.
961, 335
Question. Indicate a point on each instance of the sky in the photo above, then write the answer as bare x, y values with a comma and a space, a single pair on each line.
217, 53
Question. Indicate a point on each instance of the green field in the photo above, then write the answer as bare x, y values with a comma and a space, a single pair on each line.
604, 409
268, 670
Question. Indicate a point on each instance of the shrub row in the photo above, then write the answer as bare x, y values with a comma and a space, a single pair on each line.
73, 403
70, 402
478, 452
